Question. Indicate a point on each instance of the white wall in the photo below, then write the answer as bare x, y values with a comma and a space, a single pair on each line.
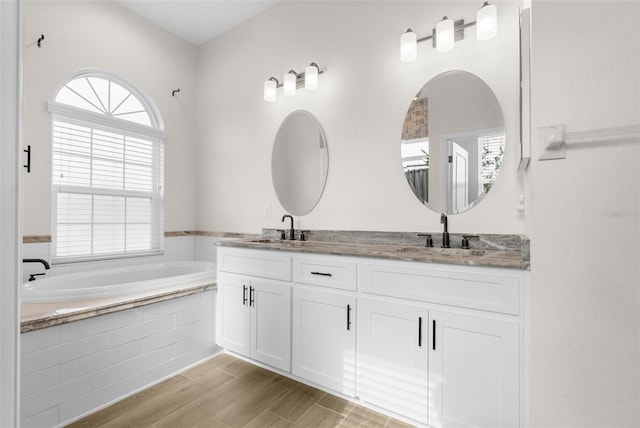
103, 34
584, 217
361, 102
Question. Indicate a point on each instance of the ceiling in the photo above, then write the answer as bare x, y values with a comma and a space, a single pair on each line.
197, 21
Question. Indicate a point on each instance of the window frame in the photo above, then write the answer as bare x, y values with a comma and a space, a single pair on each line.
72, 115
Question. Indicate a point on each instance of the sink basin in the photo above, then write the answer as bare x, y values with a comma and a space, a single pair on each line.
461, 252
411, 249
265, 241
284, 242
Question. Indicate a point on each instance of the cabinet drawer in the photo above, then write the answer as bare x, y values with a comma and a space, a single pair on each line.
488, 289
264, 264
325, 271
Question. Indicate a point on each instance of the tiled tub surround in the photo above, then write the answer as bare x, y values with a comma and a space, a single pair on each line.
72, 369
82, 355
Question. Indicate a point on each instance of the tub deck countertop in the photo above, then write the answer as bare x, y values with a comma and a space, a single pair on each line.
36, 316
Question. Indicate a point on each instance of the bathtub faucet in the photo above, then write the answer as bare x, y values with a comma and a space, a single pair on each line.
32, 277
44, 262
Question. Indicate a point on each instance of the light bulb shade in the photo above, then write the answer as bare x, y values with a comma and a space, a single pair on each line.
270, 90
408, 46
311, 77
290, 84
487, 22
445, 35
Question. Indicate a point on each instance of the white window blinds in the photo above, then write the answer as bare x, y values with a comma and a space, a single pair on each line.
107, 192
492, 149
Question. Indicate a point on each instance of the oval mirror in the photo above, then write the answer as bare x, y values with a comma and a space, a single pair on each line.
453, 142
299, 162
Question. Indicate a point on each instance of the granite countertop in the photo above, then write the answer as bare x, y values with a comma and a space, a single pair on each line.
36, 316
514, 258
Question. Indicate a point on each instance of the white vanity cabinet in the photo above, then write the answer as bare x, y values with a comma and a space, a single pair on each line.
254, 313
442, 345
392, 356
324, 322
473, 371
455, 359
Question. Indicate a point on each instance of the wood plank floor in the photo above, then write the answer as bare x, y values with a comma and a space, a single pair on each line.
228, 392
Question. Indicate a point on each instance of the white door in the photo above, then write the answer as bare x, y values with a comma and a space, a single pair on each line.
473, 372
393, 352
270, 303
324, 338
233, 313
459, 177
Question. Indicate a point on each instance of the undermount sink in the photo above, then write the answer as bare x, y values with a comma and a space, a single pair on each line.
276, 241
439, 250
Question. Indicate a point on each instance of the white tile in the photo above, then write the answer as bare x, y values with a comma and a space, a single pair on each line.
99, 324
91, 401
176, 365
175, 335
139, 330
90, 266
83, 366
38, 381
158, 356
36, 403
49, 357
46, 418
194, 343
192, 315
36, 250
101, 378
170, 307
39, 339
179, 248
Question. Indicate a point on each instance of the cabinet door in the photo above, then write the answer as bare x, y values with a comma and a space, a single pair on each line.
393, 352
270, 303
324, 341
473, 372
233, 313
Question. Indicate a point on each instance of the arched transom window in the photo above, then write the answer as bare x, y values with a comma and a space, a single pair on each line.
107, 170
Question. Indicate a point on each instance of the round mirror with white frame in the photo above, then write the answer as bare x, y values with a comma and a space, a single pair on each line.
299, 162
453, 142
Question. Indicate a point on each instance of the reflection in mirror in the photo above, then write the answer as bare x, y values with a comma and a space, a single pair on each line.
452, 142
299, 162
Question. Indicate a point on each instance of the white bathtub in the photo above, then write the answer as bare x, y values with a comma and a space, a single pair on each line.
122, 281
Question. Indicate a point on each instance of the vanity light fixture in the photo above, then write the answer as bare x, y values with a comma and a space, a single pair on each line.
292, 81
447, 32
487, 22
270, 87
311, 76
445, 35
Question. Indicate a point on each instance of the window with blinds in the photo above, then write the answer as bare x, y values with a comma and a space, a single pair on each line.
107, 175
492, 149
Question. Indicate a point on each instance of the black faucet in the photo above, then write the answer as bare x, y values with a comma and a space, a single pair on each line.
32, 276
292, 233
44, 262
445, 234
